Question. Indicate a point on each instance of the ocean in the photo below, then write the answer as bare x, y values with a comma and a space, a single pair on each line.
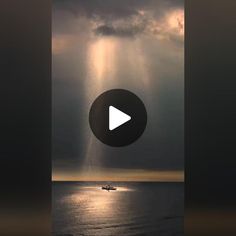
134, 209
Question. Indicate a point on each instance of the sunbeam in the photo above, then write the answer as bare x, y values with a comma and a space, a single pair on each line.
101, 66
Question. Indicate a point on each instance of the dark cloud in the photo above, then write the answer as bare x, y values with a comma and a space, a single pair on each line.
107, 9
116, 18
95, 8
118, 31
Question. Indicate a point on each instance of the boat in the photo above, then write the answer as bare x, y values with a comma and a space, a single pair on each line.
108, 187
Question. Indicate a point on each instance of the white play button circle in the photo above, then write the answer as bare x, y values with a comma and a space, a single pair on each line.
117, 118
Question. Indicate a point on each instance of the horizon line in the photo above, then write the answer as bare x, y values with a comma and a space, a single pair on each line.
137, 181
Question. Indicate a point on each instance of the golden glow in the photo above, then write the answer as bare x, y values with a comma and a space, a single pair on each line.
120, 175
101, 55
101, 66
172, 24
99, 204
175, 21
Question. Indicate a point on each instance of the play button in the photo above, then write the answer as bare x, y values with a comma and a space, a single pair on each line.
117, 117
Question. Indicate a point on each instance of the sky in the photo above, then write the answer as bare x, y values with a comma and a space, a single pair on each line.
136, 45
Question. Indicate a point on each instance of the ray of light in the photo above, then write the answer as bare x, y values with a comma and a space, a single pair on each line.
103, 62
100, 67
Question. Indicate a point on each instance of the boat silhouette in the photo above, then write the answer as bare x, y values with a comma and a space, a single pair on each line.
108, 187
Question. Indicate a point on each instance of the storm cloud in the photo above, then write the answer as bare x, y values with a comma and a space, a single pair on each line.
111, 9
119, 31
120, 18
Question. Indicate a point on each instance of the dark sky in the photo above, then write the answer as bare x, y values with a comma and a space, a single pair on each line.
105, 44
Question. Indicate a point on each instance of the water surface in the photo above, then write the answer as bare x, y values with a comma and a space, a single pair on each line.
137, 209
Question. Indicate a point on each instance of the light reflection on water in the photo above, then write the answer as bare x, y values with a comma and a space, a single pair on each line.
141, 209
99, 203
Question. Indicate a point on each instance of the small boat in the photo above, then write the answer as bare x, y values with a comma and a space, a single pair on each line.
108, 187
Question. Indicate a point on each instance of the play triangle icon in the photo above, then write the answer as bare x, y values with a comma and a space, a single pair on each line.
117, 118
